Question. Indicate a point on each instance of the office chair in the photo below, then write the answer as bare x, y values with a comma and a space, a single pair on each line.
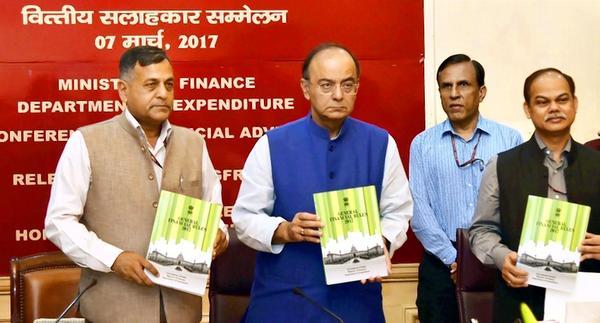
42, 285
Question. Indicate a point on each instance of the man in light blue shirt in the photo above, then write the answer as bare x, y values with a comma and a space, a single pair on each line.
446, 166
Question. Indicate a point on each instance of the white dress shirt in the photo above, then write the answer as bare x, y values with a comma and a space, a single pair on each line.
69, 193
251, 212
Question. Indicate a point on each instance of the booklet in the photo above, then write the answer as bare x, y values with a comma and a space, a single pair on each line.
182, 240
351, 245
552, 232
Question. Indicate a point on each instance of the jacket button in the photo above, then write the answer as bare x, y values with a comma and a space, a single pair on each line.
143, 148
155, 204
150, 176
331, 175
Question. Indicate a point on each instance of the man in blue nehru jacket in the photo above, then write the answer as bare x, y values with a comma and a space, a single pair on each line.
274, 213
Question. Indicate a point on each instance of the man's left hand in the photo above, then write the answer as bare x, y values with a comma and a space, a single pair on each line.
221, 243
590, 247
388, 263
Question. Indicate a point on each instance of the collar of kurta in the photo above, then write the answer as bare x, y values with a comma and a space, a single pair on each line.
133, 127
321, 132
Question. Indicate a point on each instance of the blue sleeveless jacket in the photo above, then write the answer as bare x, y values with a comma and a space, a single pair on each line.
305, 161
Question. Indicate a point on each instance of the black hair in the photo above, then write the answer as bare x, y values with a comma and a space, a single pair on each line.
462, 58
144, 55
529, 81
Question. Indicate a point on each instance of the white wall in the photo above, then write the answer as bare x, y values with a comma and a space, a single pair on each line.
511, 39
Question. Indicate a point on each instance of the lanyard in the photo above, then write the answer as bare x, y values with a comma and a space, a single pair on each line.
472, 159
153, 158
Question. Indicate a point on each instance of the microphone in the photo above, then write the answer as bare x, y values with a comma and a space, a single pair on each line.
76, 299
301, 293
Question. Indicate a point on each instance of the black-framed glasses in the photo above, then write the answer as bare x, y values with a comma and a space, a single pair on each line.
471, 160
327, 86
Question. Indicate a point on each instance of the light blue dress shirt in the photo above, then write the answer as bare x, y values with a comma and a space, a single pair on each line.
445, 195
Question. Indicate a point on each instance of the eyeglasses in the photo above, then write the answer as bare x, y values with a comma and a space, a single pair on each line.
472, 160
327, 87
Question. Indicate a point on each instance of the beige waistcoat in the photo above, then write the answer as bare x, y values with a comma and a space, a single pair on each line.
120, 208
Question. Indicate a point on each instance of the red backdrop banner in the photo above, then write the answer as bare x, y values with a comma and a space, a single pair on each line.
237, 65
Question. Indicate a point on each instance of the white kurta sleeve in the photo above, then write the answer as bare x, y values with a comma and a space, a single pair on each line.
67, 200
251, 214
396, 204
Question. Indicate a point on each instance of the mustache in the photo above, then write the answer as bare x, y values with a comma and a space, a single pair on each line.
555, 115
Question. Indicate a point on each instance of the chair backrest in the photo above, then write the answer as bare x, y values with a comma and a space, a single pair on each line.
474, 283
594, 144
42, 286
231, 277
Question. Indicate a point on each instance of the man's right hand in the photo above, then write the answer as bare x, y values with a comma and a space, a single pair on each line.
304, 227
514, 277
453, 271
130, 266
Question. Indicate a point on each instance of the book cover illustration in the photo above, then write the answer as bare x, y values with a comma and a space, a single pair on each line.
351, 244
552, 232
182, 241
